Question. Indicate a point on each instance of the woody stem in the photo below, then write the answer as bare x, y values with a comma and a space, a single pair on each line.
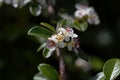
62, 75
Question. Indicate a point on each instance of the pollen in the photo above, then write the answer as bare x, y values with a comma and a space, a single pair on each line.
59, 38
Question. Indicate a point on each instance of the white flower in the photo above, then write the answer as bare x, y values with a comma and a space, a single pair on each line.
92, 16
61, 31
89, 12
80, 13
68, 29
71, 32
93, 19
64, 37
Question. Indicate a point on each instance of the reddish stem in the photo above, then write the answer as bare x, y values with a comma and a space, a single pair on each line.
62, 75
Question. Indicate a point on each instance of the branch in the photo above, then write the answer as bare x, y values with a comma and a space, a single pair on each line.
61, 65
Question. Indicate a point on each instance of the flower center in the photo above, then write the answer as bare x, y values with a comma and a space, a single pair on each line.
51, 44
59, 38
67, 39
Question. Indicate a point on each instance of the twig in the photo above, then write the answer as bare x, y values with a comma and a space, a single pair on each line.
61, 65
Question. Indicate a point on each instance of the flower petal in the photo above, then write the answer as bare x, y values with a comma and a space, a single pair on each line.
80, 13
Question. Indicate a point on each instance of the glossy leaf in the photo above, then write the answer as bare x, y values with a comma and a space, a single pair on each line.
39, 32
35, 9
48, 71
48, 26
47, 53
64, 23
39, 76
100, 76
81, 26
112, 69
41, 47
61, 23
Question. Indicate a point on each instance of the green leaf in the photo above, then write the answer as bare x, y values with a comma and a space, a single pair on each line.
41, 47
61, 23
47, 53
35, 9
40, 32
100, 76
81, 26
48, 71
112, 69
39, 76
64, 23
48, 26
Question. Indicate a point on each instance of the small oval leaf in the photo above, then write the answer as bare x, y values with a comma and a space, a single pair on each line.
81, 26
39, 76
35, 9
41, 47
99, 76
47, 53
48, 71
64, 23
40, 32
112, 69
48, 26
61, 23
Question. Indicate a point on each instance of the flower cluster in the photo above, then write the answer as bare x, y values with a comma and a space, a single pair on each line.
64, 37
83, 11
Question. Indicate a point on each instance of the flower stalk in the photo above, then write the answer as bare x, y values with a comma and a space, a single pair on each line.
62, 75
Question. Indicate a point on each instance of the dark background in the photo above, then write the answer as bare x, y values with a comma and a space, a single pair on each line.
18, 56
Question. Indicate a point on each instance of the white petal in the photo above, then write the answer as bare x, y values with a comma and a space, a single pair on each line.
80, 13
53, 38
90, 21
74, 35
93, 19
96, 21
61, 31
90, 10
